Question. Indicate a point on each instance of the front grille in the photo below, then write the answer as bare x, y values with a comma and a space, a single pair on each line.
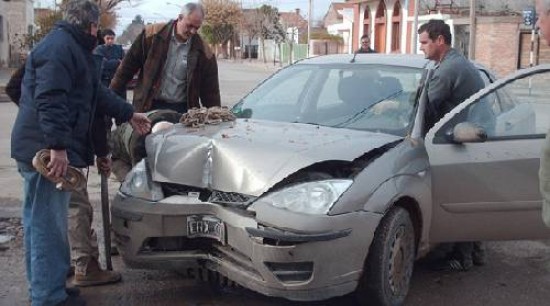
291, 272
230, 198
205, 195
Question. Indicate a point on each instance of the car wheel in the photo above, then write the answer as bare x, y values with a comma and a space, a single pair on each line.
389, 265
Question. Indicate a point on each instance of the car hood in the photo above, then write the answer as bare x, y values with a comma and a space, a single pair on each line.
250, 156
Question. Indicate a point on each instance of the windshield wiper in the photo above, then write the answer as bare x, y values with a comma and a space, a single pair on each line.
362, 112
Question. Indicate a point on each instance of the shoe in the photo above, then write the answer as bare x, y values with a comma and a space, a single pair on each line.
92, 275
450, 265
72, 301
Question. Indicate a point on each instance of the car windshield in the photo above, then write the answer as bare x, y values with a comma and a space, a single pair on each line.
378, 98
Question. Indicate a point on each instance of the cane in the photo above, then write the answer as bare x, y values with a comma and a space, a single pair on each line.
106, 214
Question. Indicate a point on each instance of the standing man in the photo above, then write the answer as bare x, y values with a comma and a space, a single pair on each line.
543, 23
176, 67
112, 56
61, 96
365, 45
453, 80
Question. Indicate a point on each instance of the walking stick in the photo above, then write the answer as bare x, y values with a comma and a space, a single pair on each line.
106, 215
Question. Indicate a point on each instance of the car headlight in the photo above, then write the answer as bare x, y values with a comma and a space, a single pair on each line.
139, 184
314, 198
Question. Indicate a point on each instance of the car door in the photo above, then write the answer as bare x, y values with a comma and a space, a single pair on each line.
488, 189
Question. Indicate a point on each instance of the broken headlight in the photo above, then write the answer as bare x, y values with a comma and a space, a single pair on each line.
138, 184
314, 198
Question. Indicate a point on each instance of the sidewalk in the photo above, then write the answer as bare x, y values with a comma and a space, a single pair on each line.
5, 74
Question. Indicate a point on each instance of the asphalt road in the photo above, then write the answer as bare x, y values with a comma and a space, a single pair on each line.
517, 272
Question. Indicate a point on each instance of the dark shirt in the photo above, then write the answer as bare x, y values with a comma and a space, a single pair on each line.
369, 50
453, 80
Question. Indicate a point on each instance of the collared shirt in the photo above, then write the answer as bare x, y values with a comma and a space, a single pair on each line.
174, 76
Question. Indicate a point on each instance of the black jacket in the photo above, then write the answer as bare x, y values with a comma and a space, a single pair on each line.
61, 97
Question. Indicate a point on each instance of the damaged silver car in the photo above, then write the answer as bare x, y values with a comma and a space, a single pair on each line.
327, 182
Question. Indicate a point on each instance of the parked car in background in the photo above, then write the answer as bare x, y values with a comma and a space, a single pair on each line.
328, 182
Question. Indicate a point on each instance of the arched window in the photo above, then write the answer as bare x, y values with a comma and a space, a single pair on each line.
396, 27
380, 28
366, 21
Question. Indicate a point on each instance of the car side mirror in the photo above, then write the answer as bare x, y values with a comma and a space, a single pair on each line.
466, 132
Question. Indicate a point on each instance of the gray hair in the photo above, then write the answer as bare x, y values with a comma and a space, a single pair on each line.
191, 7
81, 13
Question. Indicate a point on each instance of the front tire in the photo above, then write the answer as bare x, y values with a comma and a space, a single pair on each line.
389, 265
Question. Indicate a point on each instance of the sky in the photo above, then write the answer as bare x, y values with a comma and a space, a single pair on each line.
162, 10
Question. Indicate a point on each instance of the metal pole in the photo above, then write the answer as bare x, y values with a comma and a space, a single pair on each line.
472, 40
415, 27
309, 29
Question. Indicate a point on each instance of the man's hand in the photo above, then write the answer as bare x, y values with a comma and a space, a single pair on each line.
58, 163
104, 165
141, 123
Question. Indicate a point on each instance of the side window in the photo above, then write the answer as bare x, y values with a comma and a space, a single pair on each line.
519, 109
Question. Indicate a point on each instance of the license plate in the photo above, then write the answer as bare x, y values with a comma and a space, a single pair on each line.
206, 226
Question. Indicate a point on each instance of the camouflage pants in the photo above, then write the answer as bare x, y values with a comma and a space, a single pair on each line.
82, 237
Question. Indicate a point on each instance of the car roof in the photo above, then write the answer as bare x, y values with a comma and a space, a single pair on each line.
404, 60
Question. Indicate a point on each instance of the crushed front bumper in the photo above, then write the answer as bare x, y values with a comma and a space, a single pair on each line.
317, 258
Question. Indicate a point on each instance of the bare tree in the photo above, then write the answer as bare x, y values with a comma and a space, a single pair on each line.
221, 20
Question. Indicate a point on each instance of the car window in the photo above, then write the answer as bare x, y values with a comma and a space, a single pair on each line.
519, 109
378, 98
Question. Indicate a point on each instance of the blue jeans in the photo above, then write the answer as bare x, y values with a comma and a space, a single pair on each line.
46, 244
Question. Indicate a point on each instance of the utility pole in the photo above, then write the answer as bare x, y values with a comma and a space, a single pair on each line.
472, 40
309, 28
415, 27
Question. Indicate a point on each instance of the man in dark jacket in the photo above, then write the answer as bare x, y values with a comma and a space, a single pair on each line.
112, 56
176, 67
61, 96
454, 79
365, 45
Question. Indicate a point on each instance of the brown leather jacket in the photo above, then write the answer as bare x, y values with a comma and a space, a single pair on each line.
148, 55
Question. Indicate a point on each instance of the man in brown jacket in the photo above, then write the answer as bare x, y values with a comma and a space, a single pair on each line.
176, 67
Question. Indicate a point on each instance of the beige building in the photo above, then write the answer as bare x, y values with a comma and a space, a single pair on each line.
16, 20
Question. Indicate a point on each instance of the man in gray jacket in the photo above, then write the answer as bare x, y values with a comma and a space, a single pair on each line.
543, 23
454, 79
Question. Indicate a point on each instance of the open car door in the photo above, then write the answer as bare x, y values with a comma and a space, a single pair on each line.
485, 157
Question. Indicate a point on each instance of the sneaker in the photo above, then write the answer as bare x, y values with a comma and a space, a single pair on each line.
72, 301
92, 275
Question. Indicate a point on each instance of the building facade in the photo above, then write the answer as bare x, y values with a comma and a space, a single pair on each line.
502, 42
16, 21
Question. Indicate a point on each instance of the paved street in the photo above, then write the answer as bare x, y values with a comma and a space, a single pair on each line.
517, 273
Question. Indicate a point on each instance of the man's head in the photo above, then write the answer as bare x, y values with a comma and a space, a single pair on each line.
189, 20
365, 42
108, 36
543, 18
83, 14
435, 39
